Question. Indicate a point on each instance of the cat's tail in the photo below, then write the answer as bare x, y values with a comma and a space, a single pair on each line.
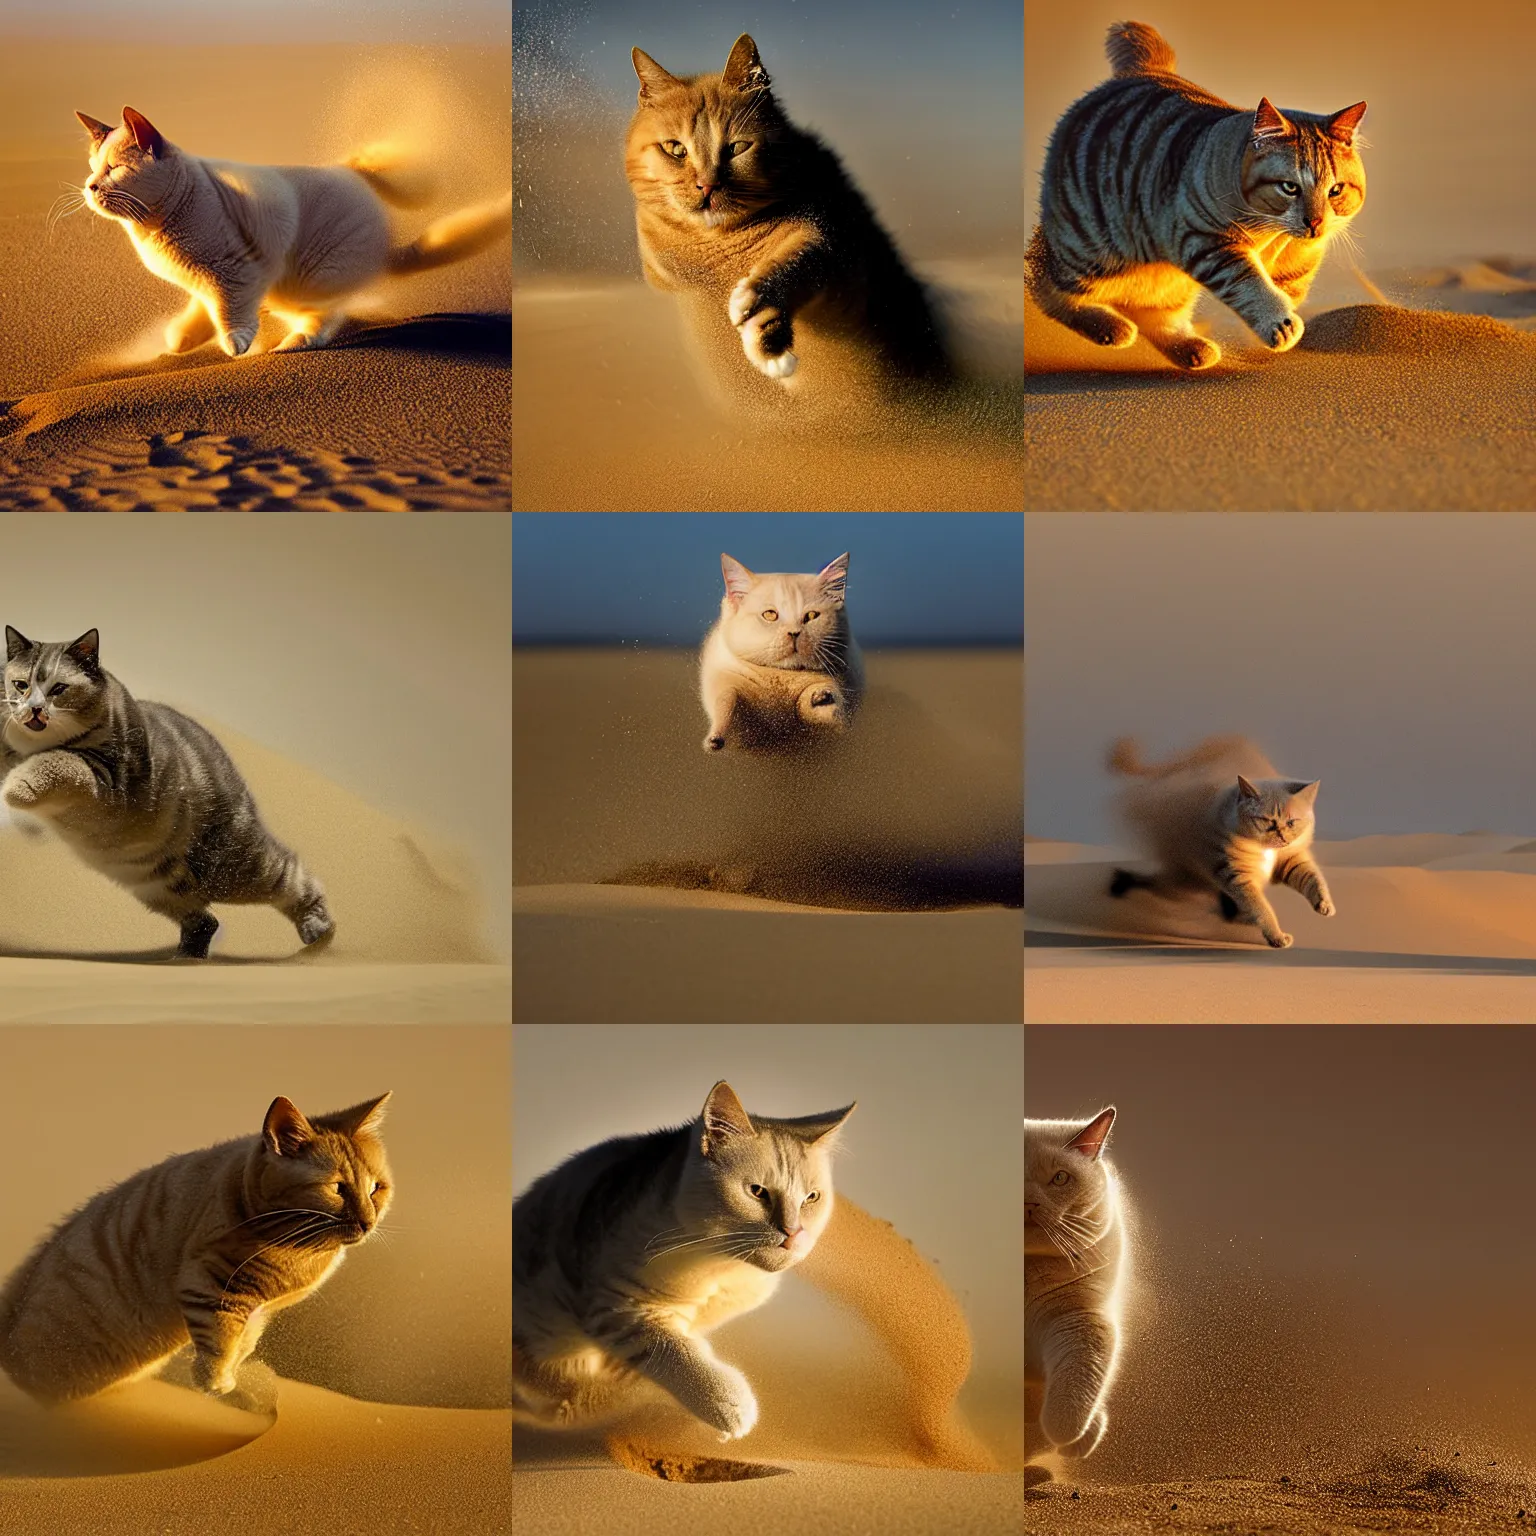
454, 237
401, 182
1134, 48
1125, 757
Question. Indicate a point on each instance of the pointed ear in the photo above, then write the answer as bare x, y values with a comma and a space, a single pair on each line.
815, 1130
285, 1130
744, 70
834, 579
1246, 789
738, 579
1090, 1140
86, 650
1342, 125
145, 134
723, 1118
1304, 794
653, 78
98, 131
16, 643
360, 1120
1269, 123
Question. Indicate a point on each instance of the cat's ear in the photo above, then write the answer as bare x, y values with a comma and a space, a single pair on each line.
98, 131
744, 69
359, 1120
723, 1118
1270, 123
285, 1130
814, 1130
86, 650
1303, 794
738, 579
145, 134
653, 78
1342, 125
834, 579
16, 643
1246, 790
1090, 1140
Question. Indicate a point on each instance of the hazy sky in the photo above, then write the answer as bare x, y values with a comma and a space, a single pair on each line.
1393, 656
1449, 163
654, 578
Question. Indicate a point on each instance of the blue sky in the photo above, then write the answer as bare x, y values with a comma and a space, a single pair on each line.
941, 578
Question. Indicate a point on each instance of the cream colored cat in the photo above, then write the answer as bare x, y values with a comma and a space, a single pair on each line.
296, 240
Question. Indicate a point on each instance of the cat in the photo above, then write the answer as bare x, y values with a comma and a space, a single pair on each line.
1221, 818
758, 222
142, 794
629, 1253
1074, 1275
240, 239
1153, 188
202, 1247
781, 648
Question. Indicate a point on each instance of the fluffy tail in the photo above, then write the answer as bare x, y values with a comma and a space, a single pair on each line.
454, 237
391, 174
1126, 760
1134, 48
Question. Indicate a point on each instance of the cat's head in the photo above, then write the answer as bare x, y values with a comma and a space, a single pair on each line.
133, 169
1067, 1185
759, 1190
784, 620
707, 149
1275, 812
326, 1176
1302, 171
54, 692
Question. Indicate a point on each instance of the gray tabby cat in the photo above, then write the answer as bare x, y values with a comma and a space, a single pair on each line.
1074, 1277
144, 795
629, 1253
1153, 188
1220, 818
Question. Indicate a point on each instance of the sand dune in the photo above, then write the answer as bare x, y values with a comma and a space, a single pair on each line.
1411, 408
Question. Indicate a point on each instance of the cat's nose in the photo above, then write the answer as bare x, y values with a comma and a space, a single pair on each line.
790, 1238
1315, 224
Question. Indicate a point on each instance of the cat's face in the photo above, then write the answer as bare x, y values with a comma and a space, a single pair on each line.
329, 1174
1302, 172
706, 149
759, 1189
132, 169
1066, 1185
53, 691
1275, 812
792, 621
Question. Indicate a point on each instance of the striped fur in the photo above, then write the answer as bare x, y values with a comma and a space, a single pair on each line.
629, 1253
203, 1247
1220, 818
144, 795
1154, 189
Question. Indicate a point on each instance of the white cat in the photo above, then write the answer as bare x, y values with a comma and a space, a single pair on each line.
781, 651
1074, 1277
295, 240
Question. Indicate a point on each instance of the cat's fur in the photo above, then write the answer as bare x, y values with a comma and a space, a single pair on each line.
1153, 188
782, 651
1074, 1276
296, 240
141, 793
202, 1247
1220, 818
758, 222
629, 1253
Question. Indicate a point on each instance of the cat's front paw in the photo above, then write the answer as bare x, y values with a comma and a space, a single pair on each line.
730, 1406
1278, 940
215, 1377
1325, 907
237, 343
766, 332
1282, 333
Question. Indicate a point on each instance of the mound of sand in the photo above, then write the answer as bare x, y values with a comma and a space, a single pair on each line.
1380, 330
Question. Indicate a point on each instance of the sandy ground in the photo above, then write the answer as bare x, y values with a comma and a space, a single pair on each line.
876, 882
1416, 405
405, 414
1430, 929
609, 415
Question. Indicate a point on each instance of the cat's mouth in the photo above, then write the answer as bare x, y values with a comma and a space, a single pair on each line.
36, 723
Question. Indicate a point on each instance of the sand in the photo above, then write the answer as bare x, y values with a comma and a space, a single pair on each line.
1413, 405
874, 883
407, 412
1430, 929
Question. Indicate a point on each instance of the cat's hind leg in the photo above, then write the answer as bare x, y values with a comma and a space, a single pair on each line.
1098, 322
1172, 332
191, 328
310, 329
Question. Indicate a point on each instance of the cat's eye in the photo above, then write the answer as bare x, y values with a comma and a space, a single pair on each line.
813, 1197
673, 148
340, 1189
376, 1188
757, 1191
56, 690
1289, 188
813, 614
1062, 1179
1337, 190
770, 614
19, 685
738, 147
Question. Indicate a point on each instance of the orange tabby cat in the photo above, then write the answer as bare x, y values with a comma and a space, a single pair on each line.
758, 226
